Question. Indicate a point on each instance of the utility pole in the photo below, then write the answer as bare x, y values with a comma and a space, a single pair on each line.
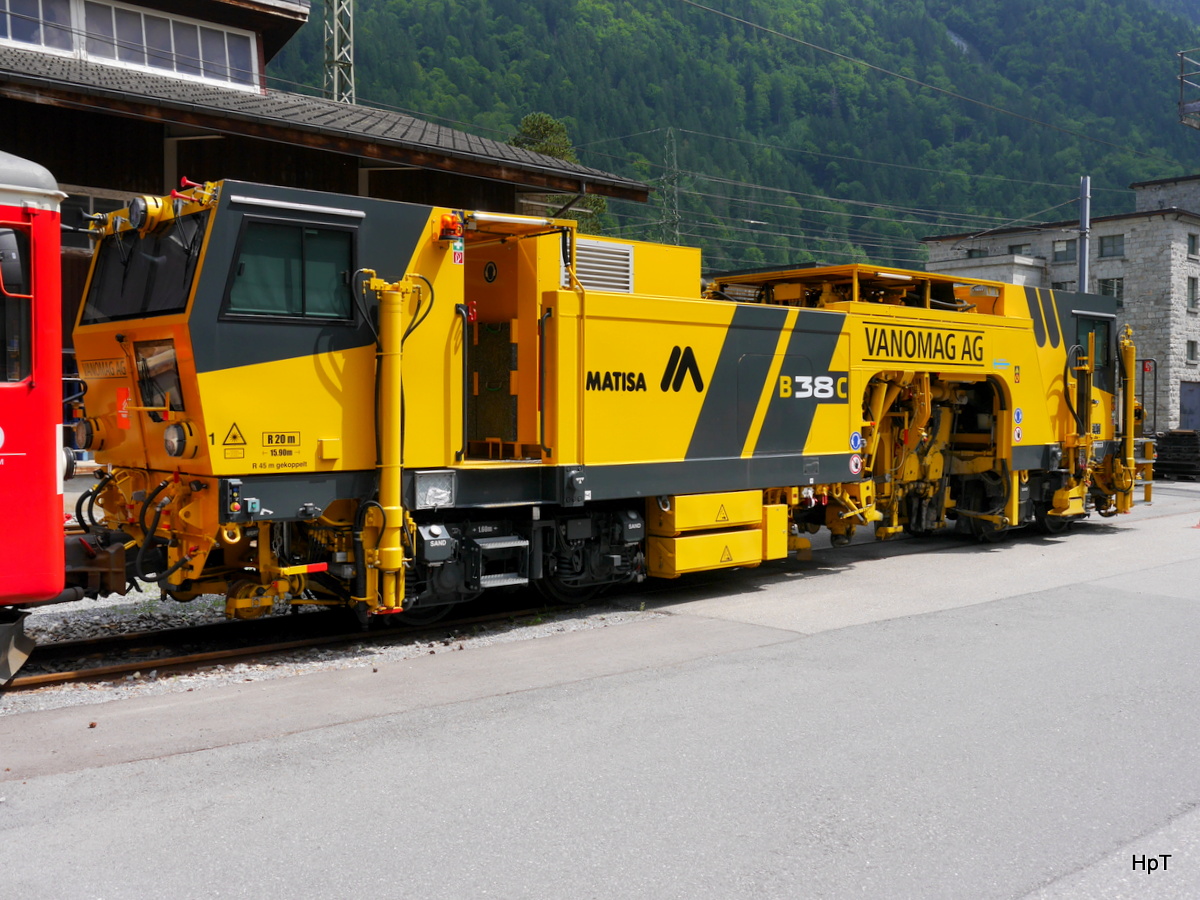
339, 50
1085, 230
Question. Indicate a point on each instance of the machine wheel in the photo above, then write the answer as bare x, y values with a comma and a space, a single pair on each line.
1048, 524
987, 532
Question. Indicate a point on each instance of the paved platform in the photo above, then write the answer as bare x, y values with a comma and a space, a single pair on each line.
926, 719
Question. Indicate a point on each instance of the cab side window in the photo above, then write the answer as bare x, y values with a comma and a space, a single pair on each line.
294, 270
1103, 333
15, 325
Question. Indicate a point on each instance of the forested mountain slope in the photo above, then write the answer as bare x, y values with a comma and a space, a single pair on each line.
778, 149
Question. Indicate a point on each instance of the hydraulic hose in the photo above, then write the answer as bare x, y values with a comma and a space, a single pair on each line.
420, 317
162, 486
360, 560
89, 497
1067, 394
140, 562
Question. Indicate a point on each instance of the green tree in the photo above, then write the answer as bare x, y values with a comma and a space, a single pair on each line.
540, 132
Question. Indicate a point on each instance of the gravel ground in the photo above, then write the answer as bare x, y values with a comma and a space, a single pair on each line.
145, 611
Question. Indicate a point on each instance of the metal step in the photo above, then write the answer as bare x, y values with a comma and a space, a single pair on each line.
499, 542
502, 580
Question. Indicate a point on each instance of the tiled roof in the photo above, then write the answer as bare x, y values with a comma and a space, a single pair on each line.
377, 134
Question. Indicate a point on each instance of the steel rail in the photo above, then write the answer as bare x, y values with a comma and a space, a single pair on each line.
29, 682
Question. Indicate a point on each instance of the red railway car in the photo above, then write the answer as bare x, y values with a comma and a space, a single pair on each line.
31, 456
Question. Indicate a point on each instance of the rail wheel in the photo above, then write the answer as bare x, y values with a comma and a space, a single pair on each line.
261, 601
988, 532
1048, 524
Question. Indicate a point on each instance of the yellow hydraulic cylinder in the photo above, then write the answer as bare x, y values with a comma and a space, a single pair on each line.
1128, 402
390, 552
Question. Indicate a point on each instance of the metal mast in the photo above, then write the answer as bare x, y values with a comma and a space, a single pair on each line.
670, 184
339, 50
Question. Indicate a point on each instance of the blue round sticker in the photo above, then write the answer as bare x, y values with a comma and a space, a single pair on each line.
1018, 415
856, 441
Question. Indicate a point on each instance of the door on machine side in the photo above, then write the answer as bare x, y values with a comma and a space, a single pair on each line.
504, 282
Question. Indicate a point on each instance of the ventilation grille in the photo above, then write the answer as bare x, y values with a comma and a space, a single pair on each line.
601, 266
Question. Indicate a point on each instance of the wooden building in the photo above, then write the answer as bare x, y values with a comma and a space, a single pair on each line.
119, 98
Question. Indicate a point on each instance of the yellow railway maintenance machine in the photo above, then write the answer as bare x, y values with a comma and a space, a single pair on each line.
315, 399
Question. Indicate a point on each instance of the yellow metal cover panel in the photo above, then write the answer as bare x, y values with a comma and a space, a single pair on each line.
699, 512
675, 556
775, 531
328, 399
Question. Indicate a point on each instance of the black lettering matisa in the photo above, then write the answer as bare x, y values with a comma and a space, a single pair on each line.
681, 364
910, 343
616, 381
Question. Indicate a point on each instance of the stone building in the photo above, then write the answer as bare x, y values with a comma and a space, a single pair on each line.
1148, 259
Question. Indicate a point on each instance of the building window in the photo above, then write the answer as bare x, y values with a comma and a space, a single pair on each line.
1020, 249
977, 253
1194, 245
1193, 293
1112, 245
1191, 351
43, 23
115, 34
1062, 285
1113, 287
1064, 251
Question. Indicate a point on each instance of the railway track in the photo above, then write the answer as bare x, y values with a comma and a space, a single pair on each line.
208, 644
234, 642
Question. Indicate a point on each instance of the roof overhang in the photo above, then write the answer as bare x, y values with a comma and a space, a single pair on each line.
381, 136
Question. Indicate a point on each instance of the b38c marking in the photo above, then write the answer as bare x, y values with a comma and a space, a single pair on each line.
823, 387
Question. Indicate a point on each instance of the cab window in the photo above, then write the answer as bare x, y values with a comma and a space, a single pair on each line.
15, 327
1103, 331
292, 269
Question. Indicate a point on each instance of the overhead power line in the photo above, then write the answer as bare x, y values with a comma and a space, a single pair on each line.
873, 204
891, 165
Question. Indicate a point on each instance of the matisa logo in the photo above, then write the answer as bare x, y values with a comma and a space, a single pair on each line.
681, 364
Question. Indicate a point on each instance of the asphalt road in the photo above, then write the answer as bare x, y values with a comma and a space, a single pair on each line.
917, 719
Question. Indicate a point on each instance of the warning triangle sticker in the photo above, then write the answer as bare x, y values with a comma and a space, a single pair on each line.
234, 437
722, 516
726, 556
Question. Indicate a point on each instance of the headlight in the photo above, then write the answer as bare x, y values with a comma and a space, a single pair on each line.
434, 490
138, 212
179, 440
146, 213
